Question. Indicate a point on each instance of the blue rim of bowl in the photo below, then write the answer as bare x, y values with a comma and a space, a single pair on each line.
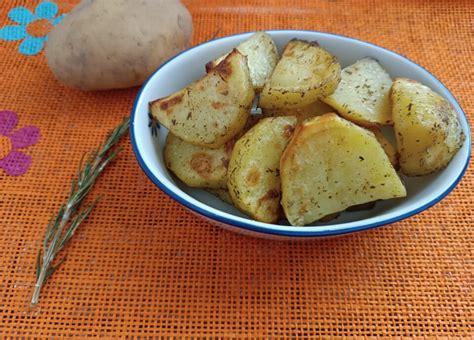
299, 231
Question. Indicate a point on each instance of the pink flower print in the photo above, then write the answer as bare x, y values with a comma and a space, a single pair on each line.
14, 162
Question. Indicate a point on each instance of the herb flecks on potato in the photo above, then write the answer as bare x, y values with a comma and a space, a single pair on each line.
212, 110
332, 164
198, 166
195, 165
262, 56
299, 159
362, 94
254, 168
305, 73
426, 126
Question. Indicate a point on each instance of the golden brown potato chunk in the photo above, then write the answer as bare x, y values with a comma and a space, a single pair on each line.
212, 110
262, 56
195, 165
305, 73
253, 175
202, 167
362, 94
427, 129
332, 164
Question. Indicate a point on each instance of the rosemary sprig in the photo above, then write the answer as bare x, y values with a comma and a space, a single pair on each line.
61, 228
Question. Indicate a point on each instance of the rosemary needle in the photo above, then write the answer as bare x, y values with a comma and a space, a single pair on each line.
61, 228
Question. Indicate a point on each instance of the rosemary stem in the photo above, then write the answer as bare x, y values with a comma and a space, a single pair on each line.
48, 257
38, 286
61, 228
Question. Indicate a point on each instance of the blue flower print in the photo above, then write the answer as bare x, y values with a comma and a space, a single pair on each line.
33, 28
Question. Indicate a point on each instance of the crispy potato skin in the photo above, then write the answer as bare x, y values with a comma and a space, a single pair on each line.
427, 129
262, 56
212, 110
305, 73
253, 175
198, 166
362, 95
332, 164
311, 110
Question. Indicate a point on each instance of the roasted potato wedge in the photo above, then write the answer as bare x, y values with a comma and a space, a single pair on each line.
314, 109
198, 166
253, 175
212, 110
305, 73
362, 94
389, 149
331, 164
427, 129
195, 165
262, 56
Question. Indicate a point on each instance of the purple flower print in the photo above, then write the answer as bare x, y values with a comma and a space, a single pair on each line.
14, 162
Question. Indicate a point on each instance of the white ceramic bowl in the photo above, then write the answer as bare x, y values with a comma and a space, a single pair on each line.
423, 192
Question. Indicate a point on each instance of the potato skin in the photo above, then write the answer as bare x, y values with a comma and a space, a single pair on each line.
427, 129
253, 174
332, 164
305, 73
212, 110
116, 44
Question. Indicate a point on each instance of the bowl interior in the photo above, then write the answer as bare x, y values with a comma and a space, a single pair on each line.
189, 66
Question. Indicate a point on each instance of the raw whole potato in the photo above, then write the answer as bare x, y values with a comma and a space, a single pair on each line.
362, 94
332, 164
253, 174
426, 126
212, 110
305, 73
105, 44
262, 56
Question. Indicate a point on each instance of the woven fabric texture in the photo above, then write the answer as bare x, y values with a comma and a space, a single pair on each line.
143, 265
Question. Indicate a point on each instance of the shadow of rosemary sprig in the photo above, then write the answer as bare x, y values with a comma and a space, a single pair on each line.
62, 227
153, 124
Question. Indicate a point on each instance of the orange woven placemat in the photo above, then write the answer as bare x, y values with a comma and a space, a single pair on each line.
142, 265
